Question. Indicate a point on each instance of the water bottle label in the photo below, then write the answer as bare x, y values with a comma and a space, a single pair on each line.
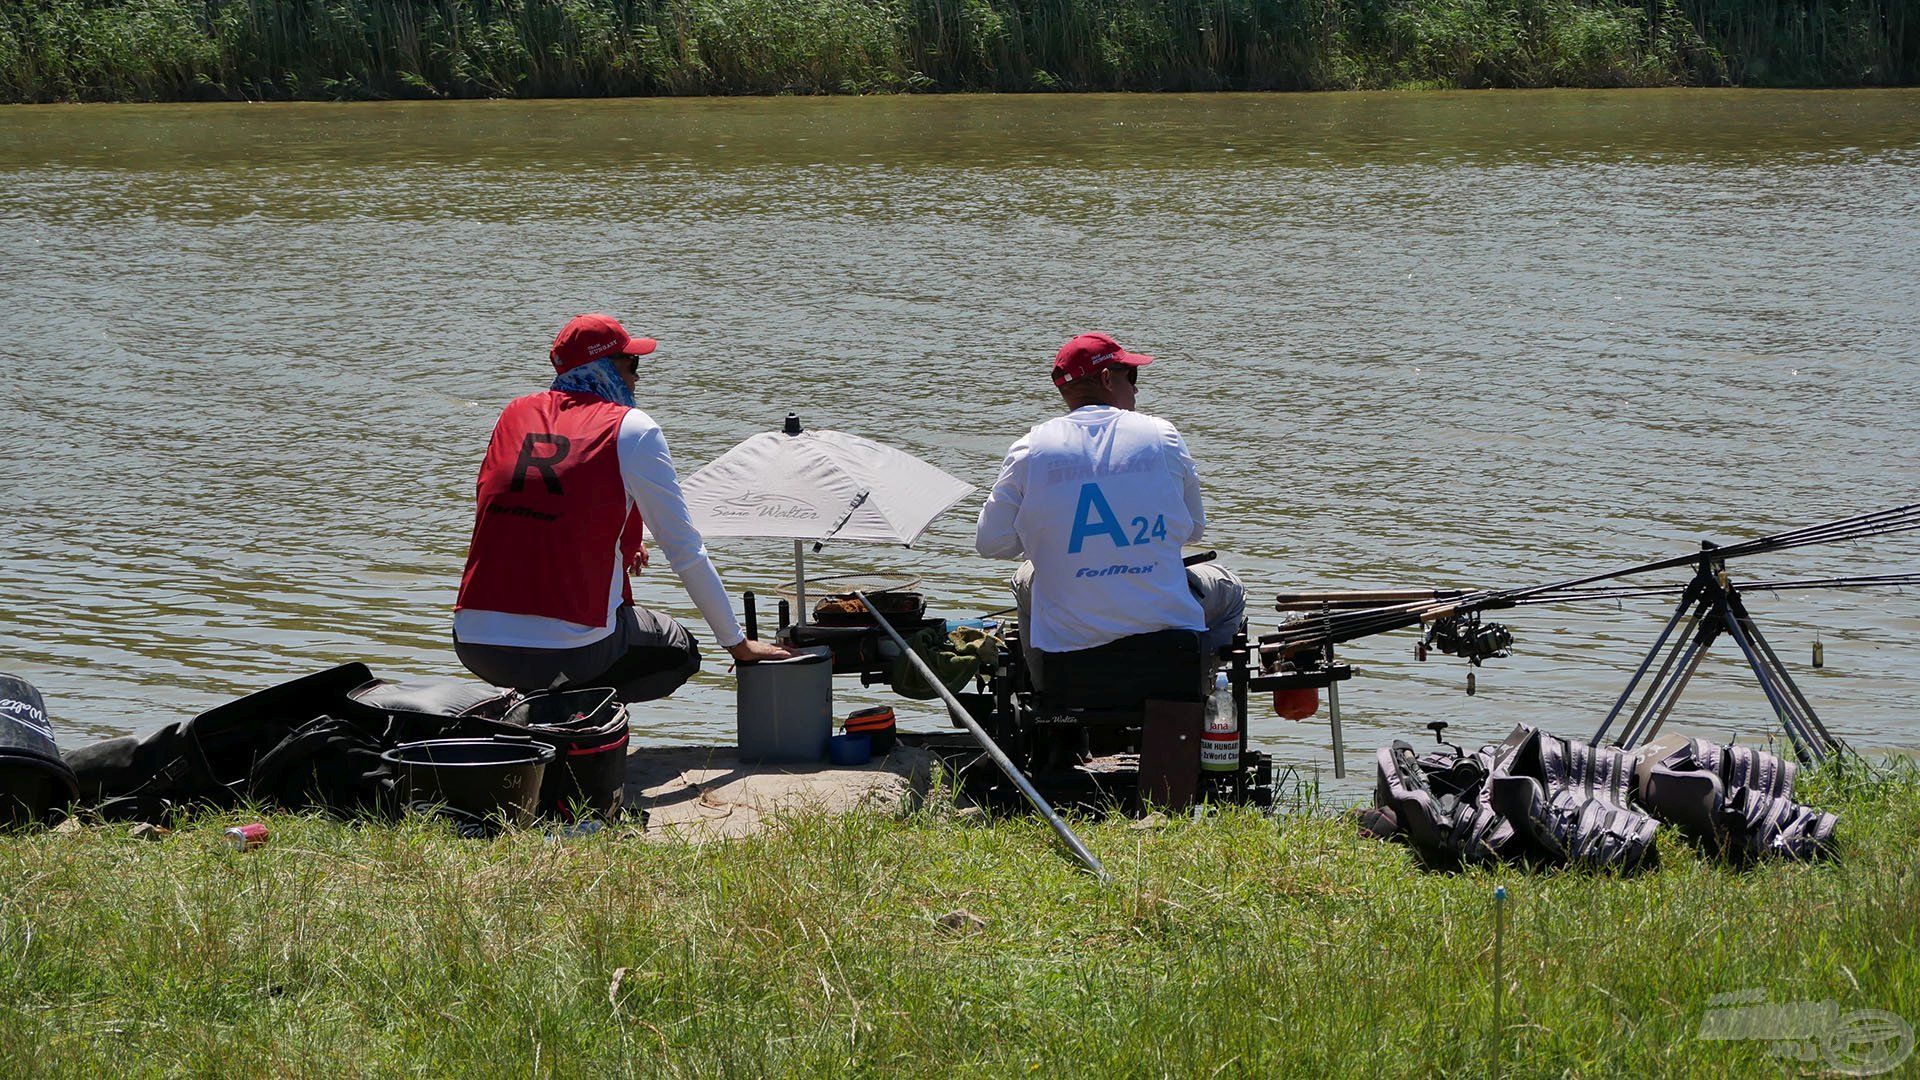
1220, 751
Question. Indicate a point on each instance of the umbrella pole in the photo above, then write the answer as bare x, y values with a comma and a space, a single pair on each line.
799, 583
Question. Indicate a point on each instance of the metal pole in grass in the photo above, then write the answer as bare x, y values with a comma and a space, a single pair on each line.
992, 748
1499, 972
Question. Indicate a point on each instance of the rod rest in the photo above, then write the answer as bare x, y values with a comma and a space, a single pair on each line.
1314, 678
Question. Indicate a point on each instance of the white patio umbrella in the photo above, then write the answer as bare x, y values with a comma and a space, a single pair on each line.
818, 485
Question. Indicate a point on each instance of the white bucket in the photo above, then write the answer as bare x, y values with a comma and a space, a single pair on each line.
784, 708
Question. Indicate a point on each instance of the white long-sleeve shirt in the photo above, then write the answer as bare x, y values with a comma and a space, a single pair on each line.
646, 469
1100, 501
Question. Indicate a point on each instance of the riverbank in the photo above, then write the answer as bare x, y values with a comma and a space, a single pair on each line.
1236, 946
165, 50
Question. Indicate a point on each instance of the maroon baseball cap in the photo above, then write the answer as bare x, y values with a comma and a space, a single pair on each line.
1087, 354
593, 337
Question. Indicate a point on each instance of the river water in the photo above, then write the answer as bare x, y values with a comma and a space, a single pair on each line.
250, 355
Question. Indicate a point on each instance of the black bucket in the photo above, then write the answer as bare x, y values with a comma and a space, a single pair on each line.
477, 778
588, 731
35, 784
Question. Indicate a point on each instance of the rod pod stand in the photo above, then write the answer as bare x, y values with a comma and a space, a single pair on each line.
992, 748
1711, 606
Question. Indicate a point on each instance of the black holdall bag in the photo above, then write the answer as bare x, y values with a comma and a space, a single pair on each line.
225, 743
209, 759
35, 783
315, 743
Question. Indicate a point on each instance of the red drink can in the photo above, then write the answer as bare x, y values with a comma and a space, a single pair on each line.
247, 837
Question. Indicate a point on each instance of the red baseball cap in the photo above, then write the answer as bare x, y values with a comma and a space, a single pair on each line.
1087, 354
592, 337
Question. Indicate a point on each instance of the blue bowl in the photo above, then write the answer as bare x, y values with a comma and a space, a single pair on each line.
850, 749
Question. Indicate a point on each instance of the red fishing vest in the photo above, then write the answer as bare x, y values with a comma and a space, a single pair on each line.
552, 511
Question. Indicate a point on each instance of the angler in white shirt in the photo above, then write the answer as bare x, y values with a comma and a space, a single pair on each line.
1098, 502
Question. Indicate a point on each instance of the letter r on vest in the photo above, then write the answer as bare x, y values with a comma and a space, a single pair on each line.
530, 458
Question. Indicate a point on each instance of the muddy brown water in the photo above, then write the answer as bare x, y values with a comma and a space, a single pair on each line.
249, 357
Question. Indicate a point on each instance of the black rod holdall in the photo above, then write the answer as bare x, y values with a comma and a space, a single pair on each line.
36, 785
226, 742
210, 759
316, 743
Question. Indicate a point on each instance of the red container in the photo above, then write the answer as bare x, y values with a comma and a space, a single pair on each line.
247, 837
1296, 704
877, 724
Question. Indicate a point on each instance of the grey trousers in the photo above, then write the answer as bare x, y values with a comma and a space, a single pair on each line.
647, 656
1223, 604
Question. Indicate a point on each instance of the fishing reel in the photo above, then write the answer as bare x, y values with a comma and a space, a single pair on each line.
1467, 637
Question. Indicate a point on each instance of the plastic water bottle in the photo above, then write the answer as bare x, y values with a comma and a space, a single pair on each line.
1220, 741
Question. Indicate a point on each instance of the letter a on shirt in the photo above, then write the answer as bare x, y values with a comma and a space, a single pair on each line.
1093, 517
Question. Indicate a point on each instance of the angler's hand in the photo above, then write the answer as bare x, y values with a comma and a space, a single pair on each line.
750, 651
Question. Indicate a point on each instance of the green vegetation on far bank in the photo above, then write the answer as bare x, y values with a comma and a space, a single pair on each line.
1238, 946
146, 50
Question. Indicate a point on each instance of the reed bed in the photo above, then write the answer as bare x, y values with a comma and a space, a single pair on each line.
144, 50
1234, 946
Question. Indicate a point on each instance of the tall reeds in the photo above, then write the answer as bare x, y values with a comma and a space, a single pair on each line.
55, 50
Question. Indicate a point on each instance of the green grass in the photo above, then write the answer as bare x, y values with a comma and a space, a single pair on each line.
114, 50
1238, 946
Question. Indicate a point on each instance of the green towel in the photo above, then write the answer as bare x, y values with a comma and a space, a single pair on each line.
956, 659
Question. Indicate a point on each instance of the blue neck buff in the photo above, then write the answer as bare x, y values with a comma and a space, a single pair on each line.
599, 378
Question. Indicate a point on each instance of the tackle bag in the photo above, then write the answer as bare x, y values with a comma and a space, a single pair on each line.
332, 762
586, 729
314, 743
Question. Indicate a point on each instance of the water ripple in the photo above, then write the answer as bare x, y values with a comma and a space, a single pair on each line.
251, 356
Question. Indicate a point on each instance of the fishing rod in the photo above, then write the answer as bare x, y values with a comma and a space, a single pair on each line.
1421, 606
1345, 600
992, 748
1632, 592
1710, 606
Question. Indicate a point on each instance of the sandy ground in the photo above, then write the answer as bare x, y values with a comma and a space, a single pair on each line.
702, 793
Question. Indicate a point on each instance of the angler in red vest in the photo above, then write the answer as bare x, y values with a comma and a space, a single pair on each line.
568, 479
